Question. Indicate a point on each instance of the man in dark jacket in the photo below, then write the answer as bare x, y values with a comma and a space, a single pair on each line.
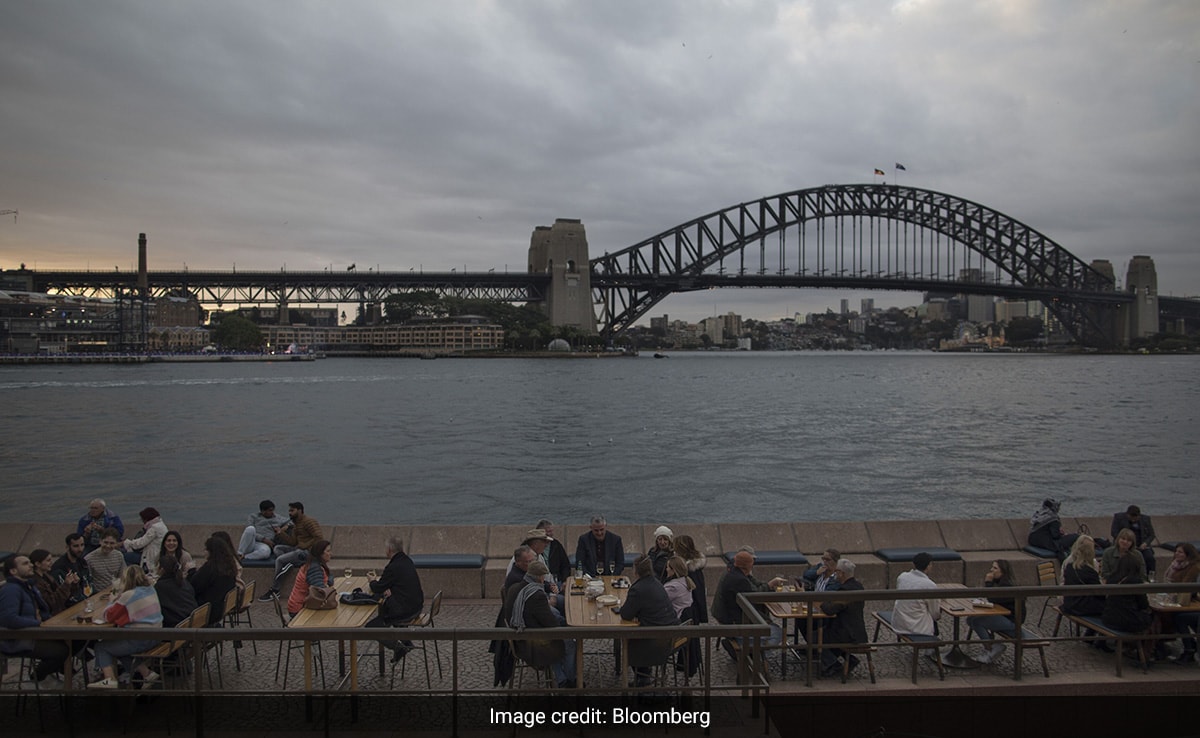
847, 625
1143, 531
71, 568
599, 549
95, 521
22, 606
649, 604
401, 585
526, 605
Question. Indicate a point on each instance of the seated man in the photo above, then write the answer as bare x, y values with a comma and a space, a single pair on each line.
401, 585
95, 521
292, 544
847, 625
259, 536
916, 617
600, 551
107, 562
1046, 531
22, 606
1143, 531
71, 567
740, 579
555, 555
527, 606
649, 604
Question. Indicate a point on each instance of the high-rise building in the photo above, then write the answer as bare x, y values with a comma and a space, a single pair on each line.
845, 306
868, 306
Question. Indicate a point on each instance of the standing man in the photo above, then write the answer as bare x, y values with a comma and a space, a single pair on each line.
71, 568
259, 535
556, 555
598, 551
401, 586
1142, 529
649, 604
847, 625
916, 617
93, 523
292, 544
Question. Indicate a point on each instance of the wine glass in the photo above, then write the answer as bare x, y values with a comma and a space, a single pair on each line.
348, 572
612, 568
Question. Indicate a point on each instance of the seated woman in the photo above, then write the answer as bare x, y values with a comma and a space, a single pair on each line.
172, 543
1125, 543
315, 574
136, 607
1185, 567
56, 593
1046, 531
213, 581
176, 597
1127, 612
679, 587
661, 551
986, 626
144, 549
1080, 569
686, 549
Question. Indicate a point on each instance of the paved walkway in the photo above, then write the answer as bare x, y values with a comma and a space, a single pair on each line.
1074, 670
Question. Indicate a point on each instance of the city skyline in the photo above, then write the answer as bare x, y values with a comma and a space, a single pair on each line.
439, 136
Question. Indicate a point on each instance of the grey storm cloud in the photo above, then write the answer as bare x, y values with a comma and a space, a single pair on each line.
438, 134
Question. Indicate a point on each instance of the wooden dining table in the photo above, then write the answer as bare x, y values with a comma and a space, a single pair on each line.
76, 617
582, 611
343, 616
959, 608
795, 612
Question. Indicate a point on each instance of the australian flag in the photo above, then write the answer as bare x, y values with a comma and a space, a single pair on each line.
901, 167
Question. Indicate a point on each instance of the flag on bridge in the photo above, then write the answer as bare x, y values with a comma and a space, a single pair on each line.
901, 167
880, 173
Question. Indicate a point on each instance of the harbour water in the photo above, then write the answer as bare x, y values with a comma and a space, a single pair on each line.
696, 437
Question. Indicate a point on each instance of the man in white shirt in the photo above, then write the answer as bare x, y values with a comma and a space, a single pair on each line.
916, 617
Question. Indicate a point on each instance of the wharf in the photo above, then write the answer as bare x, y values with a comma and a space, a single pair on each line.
59, 359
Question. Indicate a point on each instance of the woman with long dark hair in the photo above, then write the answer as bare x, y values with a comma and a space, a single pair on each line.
987, 626
315, 574
175, 594
172, 544
214, 580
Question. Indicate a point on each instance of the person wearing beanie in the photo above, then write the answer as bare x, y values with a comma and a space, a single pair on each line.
662, 551
149, 544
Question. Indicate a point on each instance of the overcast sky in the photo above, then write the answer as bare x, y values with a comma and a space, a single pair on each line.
439, 134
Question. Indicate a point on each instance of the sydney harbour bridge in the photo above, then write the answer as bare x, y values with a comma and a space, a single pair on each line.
853, 237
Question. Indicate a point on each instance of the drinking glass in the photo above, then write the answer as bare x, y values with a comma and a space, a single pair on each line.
348, 572
371, 575
612, 568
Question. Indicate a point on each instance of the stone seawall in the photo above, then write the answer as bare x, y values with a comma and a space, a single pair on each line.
360, 547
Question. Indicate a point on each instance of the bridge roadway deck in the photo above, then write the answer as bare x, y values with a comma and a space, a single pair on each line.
1075, 671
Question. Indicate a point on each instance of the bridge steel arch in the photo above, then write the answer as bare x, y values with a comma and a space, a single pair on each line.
864, 236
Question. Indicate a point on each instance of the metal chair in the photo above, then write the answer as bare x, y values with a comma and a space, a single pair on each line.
318, 657
425, 620
241, 616
1047, 576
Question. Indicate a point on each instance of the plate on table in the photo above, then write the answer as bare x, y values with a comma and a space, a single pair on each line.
607, 600
980, 602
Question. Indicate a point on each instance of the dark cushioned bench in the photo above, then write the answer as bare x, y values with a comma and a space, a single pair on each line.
772, 558
447, 561
258, 563
1041, 553
904, 555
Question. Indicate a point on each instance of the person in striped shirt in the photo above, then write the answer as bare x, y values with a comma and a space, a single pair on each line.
136, 607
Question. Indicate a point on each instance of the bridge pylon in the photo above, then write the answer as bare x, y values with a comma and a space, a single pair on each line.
561, 251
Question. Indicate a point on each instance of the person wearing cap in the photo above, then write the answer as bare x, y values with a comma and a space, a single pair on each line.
526, 606
600, 551
556, 554
149, 543
740, 579
259, 534
916, 617
662, 551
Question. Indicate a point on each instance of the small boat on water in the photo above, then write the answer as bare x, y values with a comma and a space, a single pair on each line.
660, 356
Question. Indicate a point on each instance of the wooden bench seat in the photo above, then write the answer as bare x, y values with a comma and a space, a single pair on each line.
916, 640
1029, 640
1094, 623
